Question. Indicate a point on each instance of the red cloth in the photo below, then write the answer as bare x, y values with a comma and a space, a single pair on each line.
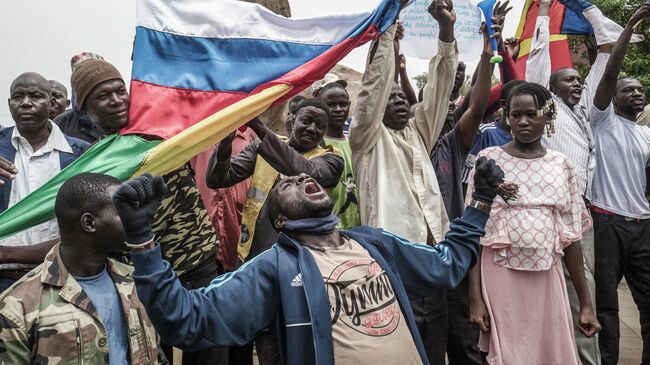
559, 49
508, 72
224, 206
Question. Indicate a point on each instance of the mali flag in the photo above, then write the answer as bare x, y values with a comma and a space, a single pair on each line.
563, 21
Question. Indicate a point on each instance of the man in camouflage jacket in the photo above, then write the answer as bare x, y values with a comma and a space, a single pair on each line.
47, 318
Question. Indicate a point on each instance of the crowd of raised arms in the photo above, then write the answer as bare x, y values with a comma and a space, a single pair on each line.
492, 227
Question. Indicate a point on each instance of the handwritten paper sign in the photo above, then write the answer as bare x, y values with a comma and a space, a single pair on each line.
421, 30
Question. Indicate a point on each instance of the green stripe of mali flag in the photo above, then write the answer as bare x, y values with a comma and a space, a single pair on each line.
118, 156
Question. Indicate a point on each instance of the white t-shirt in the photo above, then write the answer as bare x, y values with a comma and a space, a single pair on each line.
622, 155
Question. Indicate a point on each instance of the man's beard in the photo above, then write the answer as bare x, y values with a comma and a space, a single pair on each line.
308, 209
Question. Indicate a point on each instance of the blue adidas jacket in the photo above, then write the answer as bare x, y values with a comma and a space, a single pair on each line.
238, 305
8, 151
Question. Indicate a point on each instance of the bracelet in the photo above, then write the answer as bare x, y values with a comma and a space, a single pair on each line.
486, 208
139, 245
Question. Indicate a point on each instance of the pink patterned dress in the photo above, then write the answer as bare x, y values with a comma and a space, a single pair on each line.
522, 278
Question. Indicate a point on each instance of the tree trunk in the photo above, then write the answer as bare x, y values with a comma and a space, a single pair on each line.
277, 6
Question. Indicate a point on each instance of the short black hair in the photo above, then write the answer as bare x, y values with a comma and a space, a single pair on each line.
555, 75
540, 94
35, 77
508, 87
339, 84
294, 103
83, 193
316, 103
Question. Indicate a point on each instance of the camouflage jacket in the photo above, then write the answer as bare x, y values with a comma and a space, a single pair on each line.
182, 225
46, 318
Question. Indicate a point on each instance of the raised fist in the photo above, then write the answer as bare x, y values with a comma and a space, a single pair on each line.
136, 202
487, 176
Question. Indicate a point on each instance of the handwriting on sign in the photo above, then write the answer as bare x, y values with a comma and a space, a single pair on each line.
421, 30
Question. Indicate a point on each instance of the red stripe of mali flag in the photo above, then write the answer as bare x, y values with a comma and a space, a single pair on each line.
559, 47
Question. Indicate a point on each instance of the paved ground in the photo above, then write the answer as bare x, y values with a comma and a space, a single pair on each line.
631, 343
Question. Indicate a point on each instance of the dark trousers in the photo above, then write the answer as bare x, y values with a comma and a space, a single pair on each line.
200, 277
5, 283
462, 341
622, 249
266, 345
431, 319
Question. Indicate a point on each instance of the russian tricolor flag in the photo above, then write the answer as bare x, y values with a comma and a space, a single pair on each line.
201, 69
194, 58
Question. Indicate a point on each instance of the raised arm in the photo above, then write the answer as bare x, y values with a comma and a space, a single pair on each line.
538, 65
326, 169
430, 115
425, 268
404, 82
224, 170
376, 85
214, 315
471, 119
193, 319
607, 86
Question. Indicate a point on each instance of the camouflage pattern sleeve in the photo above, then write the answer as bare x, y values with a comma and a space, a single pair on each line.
182, 225
14, 342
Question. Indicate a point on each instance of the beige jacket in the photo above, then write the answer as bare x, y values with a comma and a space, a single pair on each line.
397, 184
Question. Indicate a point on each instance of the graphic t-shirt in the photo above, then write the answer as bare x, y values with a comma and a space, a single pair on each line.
344, 194
368, 326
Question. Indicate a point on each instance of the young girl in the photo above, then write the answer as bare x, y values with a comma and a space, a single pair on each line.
517, 290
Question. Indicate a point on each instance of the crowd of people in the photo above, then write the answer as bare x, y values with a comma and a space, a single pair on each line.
492, 227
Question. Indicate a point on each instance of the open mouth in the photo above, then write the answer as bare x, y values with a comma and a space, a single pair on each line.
402, 112
311, 187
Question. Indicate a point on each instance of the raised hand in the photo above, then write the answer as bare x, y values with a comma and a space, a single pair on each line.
641, 14
500, 12
258, 127
487, 48
399, 32
512, 45
402, 62
443, 11
487, 177
136, 202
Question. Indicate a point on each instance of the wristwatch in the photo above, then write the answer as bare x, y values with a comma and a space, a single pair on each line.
480, 205
139, 245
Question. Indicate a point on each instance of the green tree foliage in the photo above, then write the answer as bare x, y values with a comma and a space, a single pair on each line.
637, 62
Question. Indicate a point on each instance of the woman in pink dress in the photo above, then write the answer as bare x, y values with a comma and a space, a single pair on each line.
518, 295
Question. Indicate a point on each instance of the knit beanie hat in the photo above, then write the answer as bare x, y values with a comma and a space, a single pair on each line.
88, 74
83, 56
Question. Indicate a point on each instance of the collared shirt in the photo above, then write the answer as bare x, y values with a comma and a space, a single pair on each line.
35, 168
573, 136
398, 188
623, 155
47, 318
225, 206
